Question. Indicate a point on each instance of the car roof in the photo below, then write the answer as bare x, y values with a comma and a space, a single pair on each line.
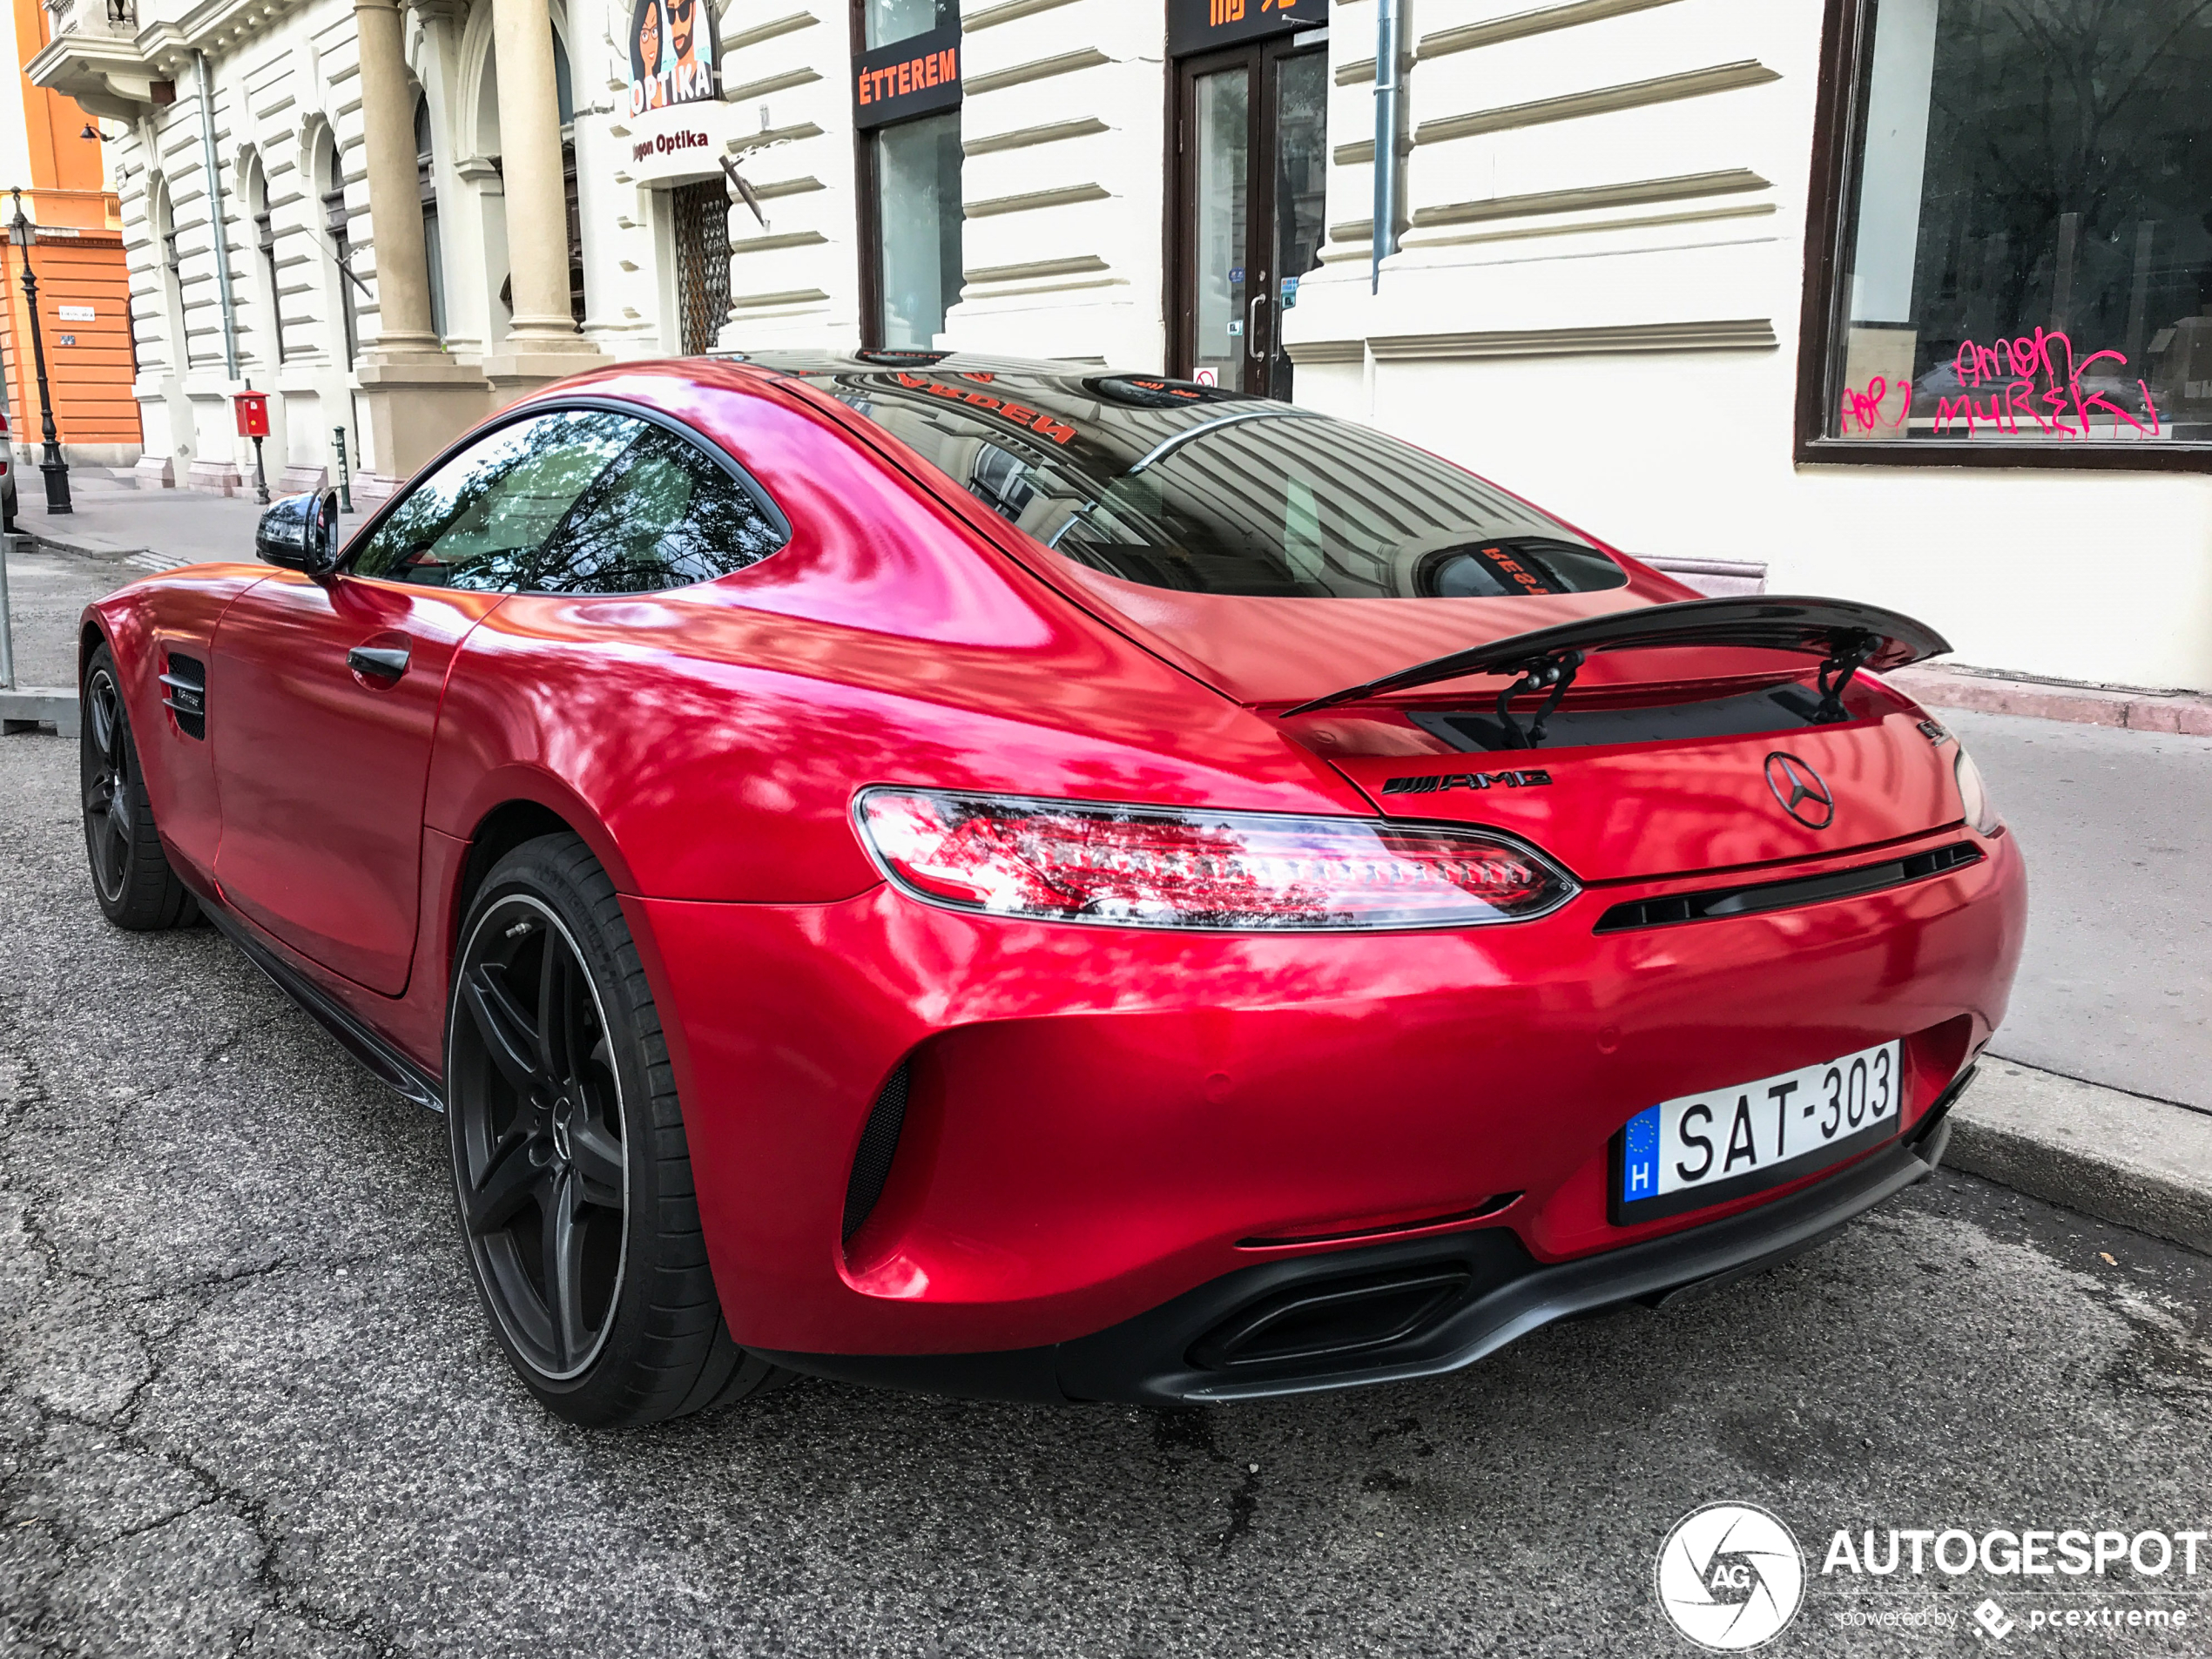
1101, 420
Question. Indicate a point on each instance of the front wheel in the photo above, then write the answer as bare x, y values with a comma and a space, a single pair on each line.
131, 874
569, 1155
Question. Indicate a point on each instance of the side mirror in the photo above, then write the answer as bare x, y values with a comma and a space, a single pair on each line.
300, 533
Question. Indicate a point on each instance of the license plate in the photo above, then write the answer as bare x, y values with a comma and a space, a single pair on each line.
1706, 1148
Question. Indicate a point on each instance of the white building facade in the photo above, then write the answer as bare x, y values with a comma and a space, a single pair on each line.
1752, 283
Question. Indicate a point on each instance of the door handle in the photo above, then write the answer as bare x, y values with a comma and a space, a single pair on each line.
371, 663
1251, 325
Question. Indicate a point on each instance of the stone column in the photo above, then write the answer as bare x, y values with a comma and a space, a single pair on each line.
416, 399
541, 343
395, 198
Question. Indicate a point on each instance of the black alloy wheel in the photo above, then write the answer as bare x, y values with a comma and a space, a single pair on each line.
570, 1161
131, 877
547, 1185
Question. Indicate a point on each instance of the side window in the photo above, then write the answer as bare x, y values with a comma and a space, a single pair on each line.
580, 501
479, 520
665, 515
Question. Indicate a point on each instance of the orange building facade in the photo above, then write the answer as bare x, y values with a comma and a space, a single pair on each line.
77, 255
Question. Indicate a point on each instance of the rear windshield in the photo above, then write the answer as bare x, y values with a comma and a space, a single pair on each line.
1183, 487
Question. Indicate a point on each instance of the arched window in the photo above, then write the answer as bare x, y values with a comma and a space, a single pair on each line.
565, 96
427, 183
178, 351
257, 207
332, 177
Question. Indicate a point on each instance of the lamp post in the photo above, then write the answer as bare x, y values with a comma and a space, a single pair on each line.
52, 465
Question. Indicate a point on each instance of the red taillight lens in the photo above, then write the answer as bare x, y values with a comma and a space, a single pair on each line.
1148, 866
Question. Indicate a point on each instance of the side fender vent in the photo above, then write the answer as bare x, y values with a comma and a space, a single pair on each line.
185, 694
879, 1146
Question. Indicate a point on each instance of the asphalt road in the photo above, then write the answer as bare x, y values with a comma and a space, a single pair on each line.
248, 1405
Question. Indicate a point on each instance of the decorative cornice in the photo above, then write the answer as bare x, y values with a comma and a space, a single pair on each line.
1543, 19
1637, 193
991, 17
1041, 68
781, 239
1024, 138
774, 135
1036, 270
1751, 334
758, 32
1604, 100
1066, 196
781, 297
1360, 152
1303, 352
783, 83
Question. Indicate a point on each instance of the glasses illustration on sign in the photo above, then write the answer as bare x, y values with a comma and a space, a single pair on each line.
1730, 1577
673, 49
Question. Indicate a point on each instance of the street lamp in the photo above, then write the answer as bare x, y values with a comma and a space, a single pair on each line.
52, 465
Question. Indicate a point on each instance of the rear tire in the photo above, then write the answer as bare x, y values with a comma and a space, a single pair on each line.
131, 877
570, 1161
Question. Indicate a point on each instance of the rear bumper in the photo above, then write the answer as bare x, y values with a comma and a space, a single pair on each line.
1440, 1305
1099, 1122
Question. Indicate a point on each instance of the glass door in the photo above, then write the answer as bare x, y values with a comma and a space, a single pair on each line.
1252, 132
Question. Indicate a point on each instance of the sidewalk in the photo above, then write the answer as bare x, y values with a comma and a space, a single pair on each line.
149, 529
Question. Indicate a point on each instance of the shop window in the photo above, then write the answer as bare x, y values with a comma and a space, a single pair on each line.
885, 22
2013, 250
907, 70
916, 177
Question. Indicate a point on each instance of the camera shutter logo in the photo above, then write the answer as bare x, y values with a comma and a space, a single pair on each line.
1730, 1576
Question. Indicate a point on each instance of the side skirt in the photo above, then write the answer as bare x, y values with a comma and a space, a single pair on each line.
382, 1061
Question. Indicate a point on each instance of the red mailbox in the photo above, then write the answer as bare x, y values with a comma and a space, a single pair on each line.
252, 413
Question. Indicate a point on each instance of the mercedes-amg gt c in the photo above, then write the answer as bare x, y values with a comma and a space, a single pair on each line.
1028, 883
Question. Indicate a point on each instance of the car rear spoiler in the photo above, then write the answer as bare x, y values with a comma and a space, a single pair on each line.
1845, 636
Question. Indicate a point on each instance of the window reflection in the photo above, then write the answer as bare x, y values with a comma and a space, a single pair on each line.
2030, 253
585, 501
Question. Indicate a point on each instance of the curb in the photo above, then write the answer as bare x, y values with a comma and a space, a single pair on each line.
2181, 713
86, 545
2123, 1159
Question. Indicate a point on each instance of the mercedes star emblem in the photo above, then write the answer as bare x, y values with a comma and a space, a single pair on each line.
1799, 789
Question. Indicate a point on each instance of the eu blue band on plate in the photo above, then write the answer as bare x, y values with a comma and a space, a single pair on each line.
1640, 1156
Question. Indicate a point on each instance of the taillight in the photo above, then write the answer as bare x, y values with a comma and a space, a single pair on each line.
1155, 866
1973, 795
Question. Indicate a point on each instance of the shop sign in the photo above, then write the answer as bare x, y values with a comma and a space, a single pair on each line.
917, 76
673, 53
676, 143
1200, 25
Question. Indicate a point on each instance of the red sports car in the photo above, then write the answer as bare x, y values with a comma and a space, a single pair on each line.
1059, 885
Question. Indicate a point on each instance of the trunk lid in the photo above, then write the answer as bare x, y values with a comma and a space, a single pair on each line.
1654, 809
1669, 777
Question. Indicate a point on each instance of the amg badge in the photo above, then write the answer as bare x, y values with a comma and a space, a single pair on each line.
1468, 780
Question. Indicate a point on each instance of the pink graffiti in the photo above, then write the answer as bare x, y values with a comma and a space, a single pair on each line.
1863, 408
2035, 380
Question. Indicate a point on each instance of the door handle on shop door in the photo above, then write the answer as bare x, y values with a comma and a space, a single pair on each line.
372, 662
